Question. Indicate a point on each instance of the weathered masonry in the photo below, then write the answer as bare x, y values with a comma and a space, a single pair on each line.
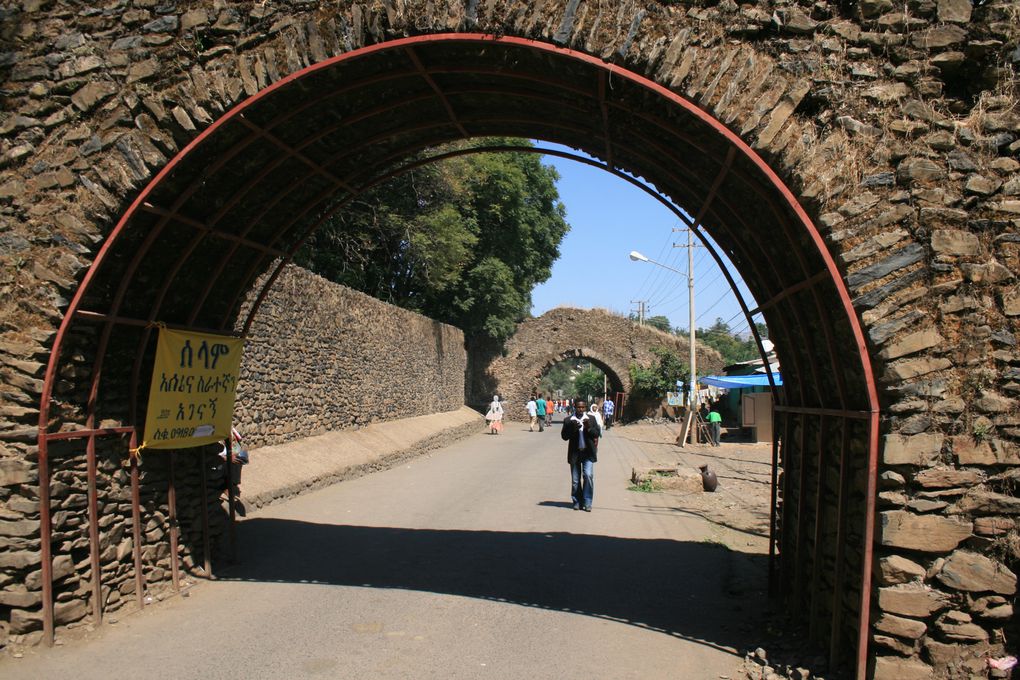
856, 161
609, 341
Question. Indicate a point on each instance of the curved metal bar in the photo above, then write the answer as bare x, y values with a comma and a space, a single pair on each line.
713, 126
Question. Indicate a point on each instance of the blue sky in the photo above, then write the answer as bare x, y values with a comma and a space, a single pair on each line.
609, 218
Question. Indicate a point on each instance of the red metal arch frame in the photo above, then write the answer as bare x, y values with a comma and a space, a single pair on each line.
773, 189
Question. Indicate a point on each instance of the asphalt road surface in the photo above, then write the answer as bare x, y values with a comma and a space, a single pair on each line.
466, 563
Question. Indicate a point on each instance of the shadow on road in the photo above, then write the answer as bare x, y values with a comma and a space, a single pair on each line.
556, 504
702, 592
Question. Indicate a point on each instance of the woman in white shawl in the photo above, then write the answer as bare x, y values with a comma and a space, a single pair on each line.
494, 416
594, 413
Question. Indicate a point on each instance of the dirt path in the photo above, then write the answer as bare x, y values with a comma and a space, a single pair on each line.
465, 563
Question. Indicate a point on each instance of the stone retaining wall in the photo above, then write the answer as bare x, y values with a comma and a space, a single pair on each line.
323, 357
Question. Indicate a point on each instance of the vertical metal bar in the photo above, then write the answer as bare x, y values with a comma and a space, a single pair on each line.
870, 499
171, 501
46, 541
798, 579
97, 575
772, 504
136, 523
231, 501
784, 534
207, 560
837, 578
816, 559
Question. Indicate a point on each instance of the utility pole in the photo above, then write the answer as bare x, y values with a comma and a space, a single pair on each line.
693, 382
641, 311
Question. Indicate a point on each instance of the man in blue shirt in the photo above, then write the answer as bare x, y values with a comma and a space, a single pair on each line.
608, 408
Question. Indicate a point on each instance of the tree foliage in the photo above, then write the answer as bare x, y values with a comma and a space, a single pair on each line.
660, 322
589, 383
656, 380
732, 348
464, 241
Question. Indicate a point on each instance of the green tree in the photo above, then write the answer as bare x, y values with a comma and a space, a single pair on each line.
463, 241
660, 322
589, 383
656, 380
732, 348
559, 378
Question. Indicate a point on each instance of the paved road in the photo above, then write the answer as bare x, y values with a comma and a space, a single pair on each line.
467, 563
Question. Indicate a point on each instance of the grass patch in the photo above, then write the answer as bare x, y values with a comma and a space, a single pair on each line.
647, 486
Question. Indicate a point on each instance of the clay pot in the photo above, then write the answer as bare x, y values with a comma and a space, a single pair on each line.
709, 481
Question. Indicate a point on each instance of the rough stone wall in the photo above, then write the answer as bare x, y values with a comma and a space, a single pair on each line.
322, 357
895, 126
607, 340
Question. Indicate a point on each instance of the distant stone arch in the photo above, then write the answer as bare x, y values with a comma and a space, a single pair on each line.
609, 341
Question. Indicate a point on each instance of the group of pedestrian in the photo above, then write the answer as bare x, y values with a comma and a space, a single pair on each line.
539, 413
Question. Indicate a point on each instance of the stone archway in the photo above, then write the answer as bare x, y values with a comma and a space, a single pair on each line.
857, 164
610, 341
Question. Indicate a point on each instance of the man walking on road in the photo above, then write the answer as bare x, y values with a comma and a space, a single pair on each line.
608, 408
532, 414
540, 407
581, 432
714, 425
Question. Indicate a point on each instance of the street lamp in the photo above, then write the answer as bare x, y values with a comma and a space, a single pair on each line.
638, 257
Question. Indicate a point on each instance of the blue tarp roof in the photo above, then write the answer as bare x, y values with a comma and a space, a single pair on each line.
735, 382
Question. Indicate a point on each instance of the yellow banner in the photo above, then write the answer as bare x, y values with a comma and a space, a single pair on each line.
194, 383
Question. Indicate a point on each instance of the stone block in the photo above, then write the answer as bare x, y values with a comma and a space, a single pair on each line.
25, 621
1012, 207
1011, 303
895, 645
69, 612
23, 599
63, 566
939, 37
955, 242
900, 626
20, 527
193, 18
919, 170
954, 11
912, 368
919, 449
93, 94
912, 343
971, 452
14, 471
957, 626
911, 599
897, 569
969, 571
925, 533
981, 502
993, 526
982, 186
946, 477
899, 668
992, 607
21, 559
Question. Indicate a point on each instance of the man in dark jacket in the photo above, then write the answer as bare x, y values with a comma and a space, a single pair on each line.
581, 432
